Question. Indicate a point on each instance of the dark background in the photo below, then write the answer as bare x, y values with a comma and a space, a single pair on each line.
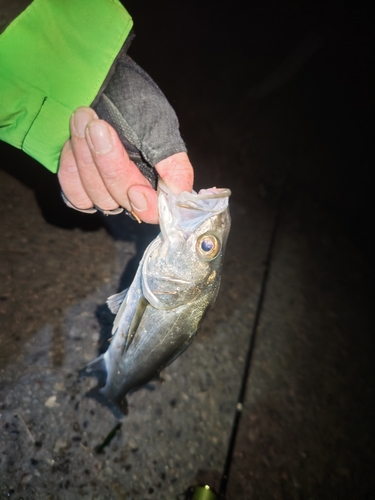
208, 56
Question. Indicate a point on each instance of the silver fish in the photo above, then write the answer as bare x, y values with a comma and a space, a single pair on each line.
177, 280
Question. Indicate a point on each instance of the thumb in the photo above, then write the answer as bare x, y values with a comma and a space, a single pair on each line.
177, 172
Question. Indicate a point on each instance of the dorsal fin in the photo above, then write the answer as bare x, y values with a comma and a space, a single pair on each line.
114, 301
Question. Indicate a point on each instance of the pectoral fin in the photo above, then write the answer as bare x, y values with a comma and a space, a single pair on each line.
119, 307
138, 314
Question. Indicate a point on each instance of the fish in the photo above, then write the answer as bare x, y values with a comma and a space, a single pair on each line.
177, 280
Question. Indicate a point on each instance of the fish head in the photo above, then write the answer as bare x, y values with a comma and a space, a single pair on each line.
185, 261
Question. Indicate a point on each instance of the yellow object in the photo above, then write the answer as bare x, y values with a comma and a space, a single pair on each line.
203, 493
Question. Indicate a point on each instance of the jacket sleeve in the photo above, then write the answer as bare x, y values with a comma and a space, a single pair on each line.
54, 57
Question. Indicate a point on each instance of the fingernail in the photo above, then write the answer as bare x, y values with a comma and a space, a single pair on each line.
100, 137
81, 118
138, 201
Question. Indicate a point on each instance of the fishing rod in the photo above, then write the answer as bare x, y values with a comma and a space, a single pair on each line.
205, 492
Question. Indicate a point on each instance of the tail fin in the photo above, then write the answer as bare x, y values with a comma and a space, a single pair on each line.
119, 410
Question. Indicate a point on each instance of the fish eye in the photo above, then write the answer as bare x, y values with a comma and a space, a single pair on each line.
208, 246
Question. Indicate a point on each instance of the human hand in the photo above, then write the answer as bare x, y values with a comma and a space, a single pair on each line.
114, 163
95, 170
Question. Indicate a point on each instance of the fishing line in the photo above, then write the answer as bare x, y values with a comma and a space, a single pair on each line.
250, 349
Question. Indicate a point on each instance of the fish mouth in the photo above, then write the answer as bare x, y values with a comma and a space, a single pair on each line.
186, 211
214, 192
191, 200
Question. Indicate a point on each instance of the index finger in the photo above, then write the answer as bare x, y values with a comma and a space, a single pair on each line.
116, 169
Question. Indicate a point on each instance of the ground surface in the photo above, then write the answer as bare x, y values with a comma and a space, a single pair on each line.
262, 108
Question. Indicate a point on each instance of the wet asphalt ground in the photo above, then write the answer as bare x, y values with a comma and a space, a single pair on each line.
274, 103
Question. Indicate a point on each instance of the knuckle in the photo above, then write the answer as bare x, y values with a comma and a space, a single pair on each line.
106, 203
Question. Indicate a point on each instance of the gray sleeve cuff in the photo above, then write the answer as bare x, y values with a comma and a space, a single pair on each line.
145, 121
